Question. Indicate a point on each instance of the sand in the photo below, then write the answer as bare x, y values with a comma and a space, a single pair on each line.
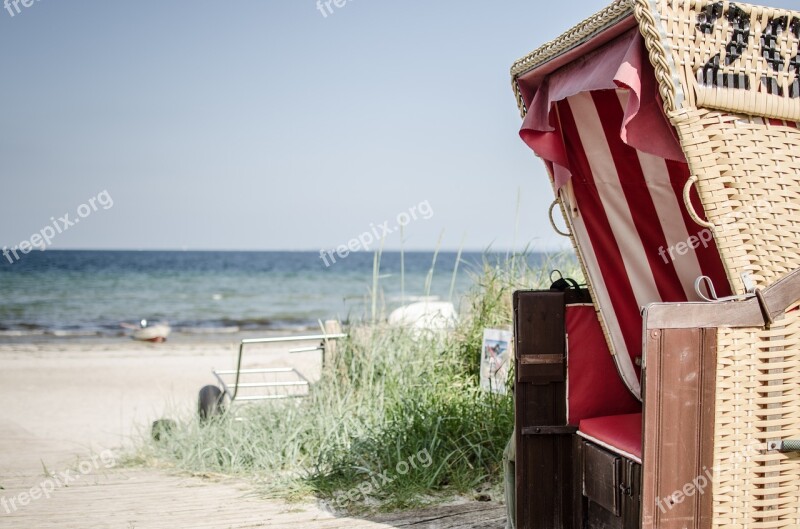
67, 404
87, 395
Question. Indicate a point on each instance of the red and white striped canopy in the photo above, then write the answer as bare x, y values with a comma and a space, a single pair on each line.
599, 126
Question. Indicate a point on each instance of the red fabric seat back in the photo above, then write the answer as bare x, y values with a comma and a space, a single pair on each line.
594, 387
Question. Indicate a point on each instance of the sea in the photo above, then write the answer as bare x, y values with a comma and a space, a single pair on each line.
69, 295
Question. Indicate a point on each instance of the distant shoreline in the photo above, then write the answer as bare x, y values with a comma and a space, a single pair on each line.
176, 338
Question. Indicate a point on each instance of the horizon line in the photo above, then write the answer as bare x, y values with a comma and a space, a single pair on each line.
279, 250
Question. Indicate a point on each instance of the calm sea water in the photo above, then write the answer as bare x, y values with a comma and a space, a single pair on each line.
90, 293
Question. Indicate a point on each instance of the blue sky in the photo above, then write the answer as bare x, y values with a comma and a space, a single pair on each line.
266, 125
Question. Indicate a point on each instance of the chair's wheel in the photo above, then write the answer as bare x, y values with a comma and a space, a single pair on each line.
209, 402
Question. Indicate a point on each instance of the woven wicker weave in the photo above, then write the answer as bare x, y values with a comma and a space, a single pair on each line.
747, 166
749, 182
748, 177
703, 54
724, 55
729, 78
758, 400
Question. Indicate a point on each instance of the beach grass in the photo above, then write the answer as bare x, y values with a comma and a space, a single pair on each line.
397, 419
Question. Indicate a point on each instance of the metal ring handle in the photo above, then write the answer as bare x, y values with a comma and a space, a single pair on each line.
687, 188
705, 280
553, 223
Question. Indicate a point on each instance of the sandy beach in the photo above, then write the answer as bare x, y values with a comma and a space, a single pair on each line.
98, 394
65, 404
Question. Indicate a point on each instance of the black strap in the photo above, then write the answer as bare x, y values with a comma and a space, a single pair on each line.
563, 283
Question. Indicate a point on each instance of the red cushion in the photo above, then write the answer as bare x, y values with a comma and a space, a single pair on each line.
595, 387
623, 432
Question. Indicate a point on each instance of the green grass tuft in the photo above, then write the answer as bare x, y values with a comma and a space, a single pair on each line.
396, 421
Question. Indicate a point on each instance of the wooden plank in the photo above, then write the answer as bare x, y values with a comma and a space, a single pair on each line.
778, 297
578, 501
600, 518
703, 315
541, 359
146, 498
632, 497
782, 294
478, 515
601, 478
540, 337
679, 391
544, 462
549, 430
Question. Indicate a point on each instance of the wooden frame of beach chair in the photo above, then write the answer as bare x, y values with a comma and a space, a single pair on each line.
669, 130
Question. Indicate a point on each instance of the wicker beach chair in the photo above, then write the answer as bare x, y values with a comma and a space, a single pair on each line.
671, 399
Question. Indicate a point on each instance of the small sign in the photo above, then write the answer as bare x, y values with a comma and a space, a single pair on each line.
495, 360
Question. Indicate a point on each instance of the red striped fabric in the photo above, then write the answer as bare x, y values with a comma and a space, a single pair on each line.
616, 163
633, 231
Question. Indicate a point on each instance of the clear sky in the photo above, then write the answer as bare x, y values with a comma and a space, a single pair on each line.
265, 125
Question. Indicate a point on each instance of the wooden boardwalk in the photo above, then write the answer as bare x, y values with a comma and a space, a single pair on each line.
148, 499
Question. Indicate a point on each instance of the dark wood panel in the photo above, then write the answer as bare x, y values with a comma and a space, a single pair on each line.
544, 461
600, 518
632, 495
578, 500
601, 477
679, 388
549, 430
611, 486
540, 336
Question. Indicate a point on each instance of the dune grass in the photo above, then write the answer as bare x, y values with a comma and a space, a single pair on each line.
397, 419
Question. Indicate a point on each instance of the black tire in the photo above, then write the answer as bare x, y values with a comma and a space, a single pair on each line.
210, 402
162, 428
